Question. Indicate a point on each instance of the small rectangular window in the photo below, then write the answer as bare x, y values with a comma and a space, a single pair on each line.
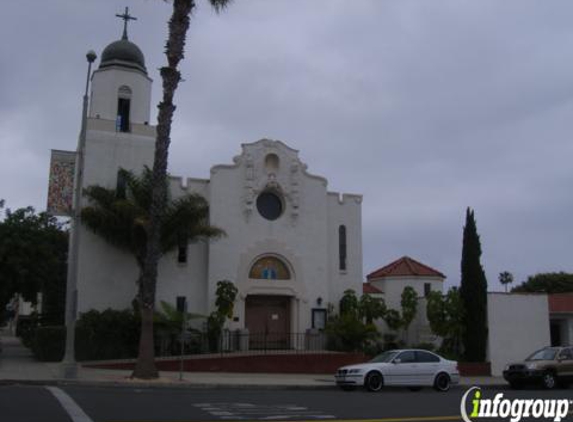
121, 185
182, 250
342, 248
182, 254
427, 289
181, 303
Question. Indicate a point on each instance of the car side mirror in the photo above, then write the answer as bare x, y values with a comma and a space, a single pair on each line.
397, 360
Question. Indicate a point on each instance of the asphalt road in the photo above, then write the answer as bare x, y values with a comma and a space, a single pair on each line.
19, 403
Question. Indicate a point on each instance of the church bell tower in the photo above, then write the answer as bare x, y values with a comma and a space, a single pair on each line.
118, 135
121, 89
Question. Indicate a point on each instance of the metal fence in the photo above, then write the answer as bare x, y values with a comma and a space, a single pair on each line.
241, 341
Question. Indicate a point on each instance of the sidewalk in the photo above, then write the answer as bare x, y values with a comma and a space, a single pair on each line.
17, 365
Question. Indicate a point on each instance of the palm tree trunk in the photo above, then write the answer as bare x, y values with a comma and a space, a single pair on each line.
145, 365
178, 26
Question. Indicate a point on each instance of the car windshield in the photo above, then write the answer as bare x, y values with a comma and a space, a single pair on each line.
385, 357
543, 354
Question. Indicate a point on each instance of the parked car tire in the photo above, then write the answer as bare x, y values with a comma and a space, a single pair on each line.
549, 380
442, 382
374, 381
516, 385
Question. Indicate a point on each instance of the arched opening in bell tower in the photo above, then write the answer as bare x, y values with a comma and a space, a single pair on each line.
123, 108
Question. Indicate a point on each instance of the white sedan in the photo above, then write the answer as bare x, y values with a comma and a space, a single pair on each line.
405, 368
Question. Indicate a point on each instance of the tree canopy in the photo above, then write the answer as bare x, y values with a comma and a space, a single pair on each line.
445, 314
473, 291
33, 252
560, 282
353, 328
122, 216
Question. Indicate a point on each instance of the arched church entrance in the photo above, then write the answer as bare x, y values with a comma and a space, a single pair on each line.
267, 315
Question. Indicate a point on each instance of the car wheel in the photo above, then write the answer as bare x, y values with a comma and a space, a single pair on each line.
442, 382
548, 380
415, 388
374, 381
516, 385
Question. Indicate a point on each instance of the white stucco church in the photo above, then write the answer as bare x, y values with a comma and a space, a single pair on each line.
291, 247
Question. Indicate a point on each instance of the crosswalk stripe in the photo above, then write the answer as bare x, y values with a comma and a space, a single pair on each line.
74, 411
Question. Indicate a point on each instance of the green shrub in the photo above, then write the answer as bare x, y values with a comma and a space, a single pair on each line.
373, 348
109, 334
347, 333
26, 329
48, 344
391, 342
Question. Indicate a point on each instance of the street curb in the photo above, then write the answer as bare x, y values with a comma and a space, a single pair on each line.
201, 386
165, 385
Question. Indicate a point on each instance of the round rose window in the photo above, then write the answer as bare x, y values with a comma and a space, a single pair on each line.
269, 205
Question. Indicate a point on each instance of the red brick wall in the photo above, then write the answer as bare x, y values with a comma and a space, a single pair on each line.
301, 364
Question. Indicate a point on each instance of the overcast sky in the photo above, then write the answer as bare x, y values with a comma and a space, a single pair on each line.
424, 107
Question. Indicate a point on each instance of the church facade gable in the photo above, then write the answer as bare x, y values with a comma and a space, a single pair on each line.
270, 206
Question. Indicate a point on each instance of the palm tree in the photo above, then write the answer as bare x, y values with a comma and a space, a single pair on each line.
122, 217
505, 278
170, 75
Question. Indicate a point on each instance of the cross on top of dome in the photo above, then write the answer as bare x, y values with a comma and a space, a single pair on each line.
126, 17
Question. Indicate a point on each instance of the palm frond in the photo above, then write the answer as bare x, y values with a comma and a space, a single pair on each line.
219, 5
124, 222
120, 221
186, 219
101, 196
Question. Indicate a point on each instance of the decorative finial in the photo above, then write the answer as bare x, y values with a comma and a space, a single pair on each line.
126, 17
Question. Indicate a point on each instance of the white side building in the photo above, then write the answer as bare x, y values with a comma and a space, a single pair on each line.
389, 282
518, 325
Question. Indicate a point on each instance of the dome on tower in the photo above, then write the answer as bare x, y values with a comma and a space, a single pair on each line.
123, 53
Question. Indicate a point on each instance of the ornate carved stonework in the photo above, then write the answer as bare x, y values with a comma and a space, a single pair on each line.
272, 165
294, 189
249, 186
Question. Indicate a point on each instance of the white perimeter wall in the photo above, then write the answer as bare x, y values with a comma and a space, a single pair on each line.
518, 325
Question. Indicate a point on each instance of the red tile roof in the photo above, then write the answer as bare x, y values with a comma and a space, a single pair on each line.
405, 267
368, 288
560, 302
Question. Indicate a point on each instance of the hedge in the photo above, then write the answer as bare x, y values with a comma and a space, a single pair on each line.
99, 335
48, 344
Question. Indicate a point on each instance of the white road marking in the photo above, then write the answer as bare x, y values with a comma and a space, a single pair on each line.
241, 411
74, 411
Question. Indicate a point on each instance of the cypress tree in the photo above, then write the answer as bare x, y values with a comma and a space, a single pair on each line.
473, 291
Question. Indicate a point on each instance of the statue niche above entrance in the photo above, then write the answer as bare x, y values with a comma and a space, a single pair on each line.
269, 268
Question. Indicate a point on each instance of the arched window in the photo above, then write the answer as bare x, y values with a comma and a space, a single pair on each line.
123, 107
342, 248
269, 268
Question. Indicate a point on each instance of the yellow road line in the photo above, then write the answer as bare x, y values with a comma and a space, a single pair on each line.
409, 419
